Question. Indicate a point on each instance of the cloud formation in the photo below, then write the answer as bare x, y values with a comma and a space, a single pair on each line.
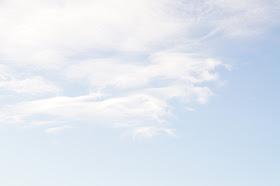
119, 63
25, 84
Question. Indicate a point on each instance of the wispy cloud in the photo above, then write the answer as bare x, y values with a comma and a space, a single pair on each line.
56, 130
21, 83
125, 60
134, 94
152, 131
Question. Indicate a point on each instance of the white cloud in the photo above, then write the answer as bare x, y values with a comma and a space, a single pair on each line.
56, 130
190, 109
23, 84
129, 108
42, 123
152, 131
133, 94
131, 58
233, 18
162, 66
44, 34
33, 85
47, 33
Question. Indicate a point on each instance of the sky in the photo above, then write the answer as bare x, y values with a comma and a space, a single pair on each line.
139, 93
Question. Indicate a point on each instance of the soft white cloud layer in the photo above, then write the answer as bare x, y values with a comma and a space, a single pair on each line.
55, 130
135, 94
48, 33
164, 66
129, 57
25, 84
152, 131
132, 109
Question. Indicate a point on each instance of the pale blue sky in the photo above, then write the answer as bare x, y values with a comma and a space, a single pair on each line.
139, 93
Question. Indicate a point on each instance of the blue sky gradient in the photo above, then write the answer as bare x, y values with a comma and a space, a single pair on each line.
139, 93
